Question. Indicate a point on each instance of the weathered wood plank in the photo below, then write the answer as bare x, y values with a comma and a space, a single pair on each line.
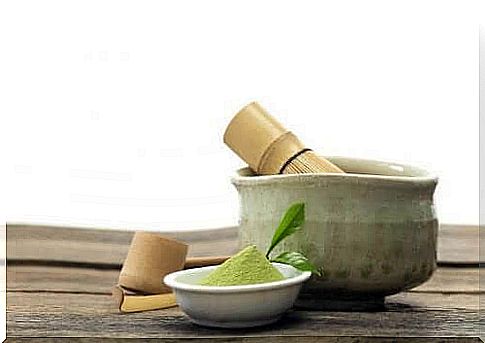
75, 302
84, 315
120, 237
456, 244
60, 279
459, 244
267, 339
44, 278
44, 243
452, 280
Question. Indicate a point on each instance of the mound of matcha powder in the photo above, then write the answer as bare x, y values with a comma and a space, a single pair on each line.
249, 266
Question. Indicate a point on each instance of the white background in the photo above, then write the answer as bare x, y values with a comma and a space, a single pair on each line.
115, 110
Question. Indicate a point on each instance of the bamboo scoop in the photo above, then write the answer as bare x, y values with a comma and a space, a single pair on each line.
151, 257
130, 301
269, 148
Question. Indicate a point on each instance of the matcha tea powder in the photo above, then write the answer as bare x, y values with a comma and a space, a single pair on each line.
249, 266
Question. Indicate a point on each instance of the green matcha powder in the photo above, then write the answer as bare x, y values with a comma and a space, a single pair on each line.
249, 266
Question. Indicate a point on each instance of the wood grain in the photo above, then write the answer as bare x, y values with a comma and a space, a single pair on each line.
105, 247
459, 244
456, 244
243, 339
87, 280
87, 315
61, 279
452, 280
59, 283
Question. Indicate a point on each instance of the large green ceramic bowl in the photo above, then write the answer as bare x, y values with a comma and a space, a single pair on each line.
371, 232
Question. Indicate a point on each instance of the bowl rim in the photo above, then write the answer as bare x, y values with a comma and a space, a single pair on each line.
427, 177
171, 281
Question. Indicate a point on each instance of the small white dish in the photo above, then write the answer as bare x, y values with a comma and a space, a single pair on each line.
235, 306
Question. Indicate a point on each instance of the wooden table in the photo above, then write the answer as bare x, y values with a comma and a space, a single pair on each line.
59, 282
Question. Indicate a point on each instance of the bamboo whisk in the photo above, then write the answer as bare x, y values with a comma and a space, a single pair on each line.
269, 148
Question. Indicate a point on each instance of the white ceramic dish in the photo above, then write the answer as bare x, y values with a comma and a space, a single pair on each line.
235, 306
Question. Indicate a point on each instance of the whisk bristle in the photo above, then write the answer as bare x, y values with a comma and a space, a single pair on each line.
309, 162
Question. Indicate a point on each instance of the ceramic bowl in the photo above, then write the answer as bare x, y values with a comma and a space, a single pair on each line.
235, 306
371, 232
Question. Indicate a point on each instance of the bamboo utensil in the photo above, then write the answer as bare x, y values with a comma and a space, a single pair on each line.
128, 301
196, 262
131, 301
269, 148
151, 257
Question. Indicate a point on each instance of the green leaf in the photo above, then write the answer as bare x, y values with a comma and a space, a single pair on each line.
290, 223
297, 260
